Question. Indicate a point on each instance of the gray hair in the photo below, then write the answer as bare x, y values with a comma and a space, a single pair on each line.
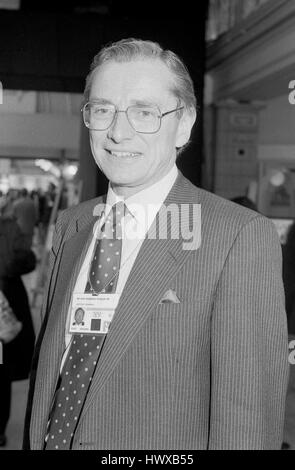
129, 49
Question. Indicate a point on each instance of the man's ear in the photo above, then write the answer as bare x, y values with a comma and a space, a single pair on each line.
185, 126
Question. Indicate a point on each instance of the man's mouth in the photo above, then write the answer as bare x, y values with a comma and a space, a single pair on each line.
123, 154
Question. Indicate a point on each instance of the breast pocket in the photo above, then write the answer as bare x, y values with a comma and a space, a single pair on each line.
182, 322
185, 307
178, 332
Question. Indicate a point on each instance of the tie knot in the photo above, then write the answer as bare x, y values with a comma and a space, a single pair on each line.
117, 213
112, 227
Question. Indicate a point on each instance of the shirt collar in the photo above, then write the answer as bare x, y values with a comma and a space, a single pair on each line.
146, 202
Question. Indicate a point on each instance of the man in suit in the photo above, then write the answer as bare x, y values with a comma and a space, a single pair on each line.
193, 351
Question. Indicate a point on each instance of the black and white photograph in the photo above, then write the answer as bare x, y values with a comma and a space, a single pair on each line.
147, 228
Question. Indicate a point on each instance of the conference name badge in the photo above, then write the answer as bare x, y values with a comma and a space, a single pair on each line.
92, 314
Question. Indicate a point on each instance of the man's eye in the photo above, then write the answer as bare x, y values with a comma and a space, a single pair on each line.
101, 111
144, 113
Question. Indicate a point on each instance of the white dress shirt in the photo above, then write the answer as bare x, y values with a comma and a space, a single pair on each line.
142, 209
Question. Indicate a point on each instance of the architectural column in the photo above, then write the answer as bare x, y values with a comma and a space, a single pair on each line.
235, 147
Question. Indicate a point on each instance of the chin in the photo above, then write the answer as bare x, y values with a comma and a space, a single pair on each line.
122, 176
122, 181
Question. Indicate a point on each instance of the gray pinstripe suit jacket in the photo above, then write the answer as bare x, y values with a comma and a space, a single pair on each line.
207, 373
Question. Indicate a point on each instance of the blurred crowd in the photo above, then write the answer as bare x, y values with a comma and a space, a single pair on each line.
30, 209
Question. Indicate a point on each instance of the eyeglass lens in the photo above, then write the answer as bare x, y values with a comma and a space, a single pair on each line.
142, 118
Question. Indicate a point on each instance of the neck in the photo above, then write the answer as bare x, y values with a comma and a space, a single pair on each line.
128, 191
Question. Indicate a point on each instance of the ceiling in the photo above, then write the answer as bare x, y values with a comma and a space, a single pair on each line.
118, 8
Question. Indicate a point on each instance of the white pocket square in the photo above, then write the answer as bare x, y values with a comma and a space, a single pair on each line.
170, 297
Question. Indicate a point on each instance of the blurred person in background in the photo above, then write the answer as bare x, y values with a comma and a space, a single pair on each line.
2, 201
7, 205
17, 354
46, 203
34, 195
24, 210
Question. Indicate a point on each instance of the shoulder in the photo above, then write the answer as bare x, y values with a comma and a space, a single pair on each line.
224, 211
224, 220
216, 208
84, 208
82, 213
70, 220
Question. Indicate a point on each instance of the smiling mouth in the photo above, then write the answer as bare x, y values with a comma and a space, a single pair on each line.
123, 154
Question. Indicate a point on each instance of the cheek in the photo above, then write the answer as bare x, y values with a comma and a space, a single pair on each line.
164, 145
157, 144
97, 139
96, 145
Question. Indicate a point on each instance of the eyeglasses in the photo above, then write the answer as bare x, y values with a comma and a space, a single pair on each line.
143, 119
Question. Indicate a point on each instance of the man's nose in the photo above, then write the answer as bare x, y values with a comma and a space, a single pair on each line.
121, 128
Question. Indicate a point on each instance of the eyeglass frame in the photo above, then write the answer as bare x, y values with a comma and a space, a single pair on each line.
160, 116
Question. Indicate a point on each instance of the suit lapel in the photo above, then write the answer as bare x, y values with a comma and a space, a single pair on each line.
74, 252
53, 345
155, 266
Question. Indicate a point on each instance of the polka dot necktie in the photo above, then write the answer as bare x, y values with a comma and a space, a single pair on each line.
84, 351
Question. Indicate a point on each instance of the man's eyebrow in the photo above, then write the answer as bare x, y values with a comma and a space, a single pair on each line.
136, 102
100, 101
143, 103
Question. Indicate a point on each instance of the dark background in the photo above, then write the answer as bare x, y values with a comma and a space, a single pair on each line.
48, 46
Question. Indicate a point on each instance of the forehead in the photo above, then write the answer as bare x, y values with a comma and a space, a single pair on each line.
147, 79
